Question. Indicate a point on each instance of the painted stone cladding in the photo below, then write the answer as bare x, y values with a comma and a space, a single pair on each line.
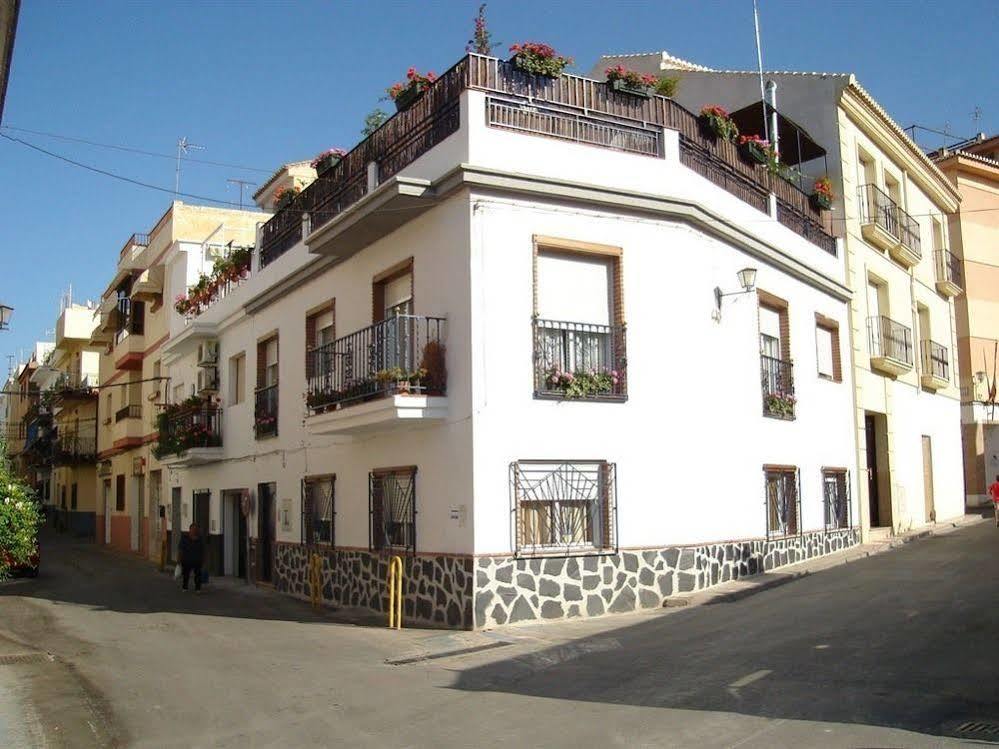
440, 590
510, 589
437, 591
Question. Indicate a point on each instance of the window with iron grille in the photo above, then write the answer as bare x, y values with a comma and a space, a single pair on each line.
836, 497
567, 507
783, 501
392, 505
317, 509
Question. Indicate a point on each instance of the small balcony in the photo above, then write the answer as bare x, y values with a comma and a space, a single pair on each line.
129, 254
386, 375
190, 435
935, 365
265, 411
777, 380
127, 429
74, 449
890, 344
885, 225
950, 279
579, 361
73, 388
129, 345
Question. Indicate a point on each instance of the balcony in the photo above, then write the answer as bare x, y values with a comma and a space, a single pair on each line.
127, 430
777, 380
950, 279
579, 361
74, 449
129, 341
567, 108
73, 388
265, 411
148, 286
128, 412
935, 365
891, 345
190, 435
129, 254
885, 225
387, 375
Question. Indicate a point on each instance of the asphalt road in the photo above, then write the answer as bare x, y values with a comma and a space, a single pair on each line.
901, 649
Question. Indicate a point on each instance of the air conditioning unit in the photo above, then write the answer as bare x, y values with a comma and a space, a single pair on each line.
980, 387
208, 354
208, 380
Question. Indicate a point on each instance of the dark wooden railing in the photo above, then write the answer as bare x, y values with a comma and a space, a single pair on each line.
409, 134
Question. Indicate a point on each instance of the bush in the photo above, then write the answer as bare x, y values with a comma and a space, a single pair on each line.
19, 519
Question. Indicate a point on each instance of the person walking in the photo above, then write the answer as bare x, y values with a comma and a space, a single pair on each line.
994, 491
192, 556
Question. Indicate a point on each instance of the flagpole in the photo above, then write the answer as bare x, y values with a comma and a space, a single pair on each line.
759, 62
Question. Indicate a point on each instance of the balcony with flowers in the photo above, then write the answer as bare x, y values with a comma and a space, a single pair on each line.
189, 433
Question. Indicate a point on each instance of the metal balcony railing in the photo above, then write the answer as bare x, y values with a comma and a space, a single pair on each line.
133, 411
877, 207
404, 353
949, 268
265, 411
74, 448
934, 359
187, 428
777, 380
579, 360
890, 339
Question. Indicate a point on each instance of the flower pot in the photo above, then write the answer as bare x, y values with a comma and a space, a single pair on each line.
518, 63
623, 87
407, 98
285, 200
326, 163
820, 201
755, 153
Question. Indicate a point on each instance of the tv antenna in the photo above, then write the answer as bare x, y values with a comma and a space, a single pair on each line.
183, 146
243, 184
976, 115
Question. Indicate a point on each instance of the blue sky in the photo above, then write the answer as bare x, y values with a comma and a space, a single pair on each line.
263, 83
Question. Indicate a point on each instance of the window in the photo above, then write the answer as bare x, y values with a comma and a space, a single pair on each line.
317, 509
265, 414
776, 373
392, 292
119, 493
392, 503
319, 343
271, 362
178, 393
827, 353
62, 496
836, 498
237, 378
563, 507
72, 497
782, 500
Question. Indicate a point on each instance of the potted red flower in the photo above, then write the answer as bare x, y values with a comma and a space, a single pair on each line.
406, 94
284, 196
327, 160
822, 193
538, 59
717, 123
632, 82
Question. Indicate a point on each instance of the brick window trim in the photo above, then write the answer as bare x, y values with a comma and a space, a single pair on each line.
262, 356
548, 244
831, 325
780, 306
310, 330
380, 280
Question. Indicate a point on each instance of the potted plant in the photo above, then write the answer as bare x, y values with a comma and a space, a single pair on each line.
822, 193
716, 122
538, 59
667, 86
582, 383
433, 363
406, 94
755, 148
632, 82
327, 160
284, 196
780, 404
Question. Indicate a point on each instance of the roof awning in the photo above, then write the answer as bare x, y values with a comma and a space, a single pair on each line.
796, 145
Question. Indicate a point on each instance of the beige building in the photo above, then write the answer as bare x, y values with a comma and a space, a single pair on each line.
973, 169
133, 326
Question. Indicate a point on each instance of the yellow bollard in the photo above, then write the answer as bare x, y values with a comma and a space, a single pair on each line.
316, 580
395, 593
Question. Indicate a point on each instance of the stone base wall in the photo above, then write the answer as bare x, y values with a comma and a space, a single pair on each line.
511, 589
437, 590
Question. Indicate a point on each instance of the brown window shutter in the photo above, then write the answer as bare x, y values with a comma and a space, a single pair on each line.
377, 301
310, 343
261, 363
377, 513
837, 362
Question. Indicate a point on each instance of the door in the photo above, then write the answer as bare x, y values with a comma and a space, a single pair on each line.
202, 502
233, 535
107, 511
872, 470
137, 513
175, 523
931, 512
265, 531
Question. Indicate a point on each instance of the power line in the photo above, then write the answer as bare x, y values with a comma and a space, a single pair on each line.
131, 149
116, 176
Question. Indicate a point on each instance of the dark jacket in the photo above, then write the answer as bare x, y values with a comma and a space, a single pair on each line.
192, 550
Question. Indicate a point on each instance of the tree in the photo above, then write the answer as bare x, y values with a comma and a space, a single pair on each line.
19, 518
375, 119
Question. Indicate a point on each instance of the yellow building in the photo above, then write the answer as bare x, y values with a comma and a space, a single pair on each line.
973, 168
134, 321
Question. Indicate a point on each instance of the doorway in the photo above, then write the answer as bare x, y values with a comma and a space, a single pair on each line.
137, 513
878, 472
107, 511
265, 531
175, 522
930, 506
201, 504
234, 534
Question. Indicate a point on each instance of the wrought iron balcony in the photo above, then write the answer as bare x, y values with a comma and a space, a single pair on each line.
890, 345
777, 379
950, 279
888, 227
70, 449
265, 411
403, 355
579, 361
935, 364
131, 411
186, 429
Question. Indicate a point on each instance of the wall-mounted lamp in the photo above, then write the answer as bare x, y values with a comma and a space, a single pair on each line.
5, 313
747, 279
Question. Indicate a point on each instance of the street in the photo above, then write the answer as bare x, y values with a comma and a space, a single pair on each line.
898, 649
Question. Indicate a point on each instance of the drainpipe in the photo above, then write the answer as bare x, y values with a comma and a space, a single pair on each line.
771, 98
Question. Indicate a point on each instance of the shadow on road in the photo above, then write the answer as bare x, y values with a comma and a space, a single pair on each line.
905, 640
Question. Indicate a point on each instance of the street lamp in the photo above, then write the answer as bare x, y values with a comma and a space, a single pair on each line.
747, 280
5, 313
